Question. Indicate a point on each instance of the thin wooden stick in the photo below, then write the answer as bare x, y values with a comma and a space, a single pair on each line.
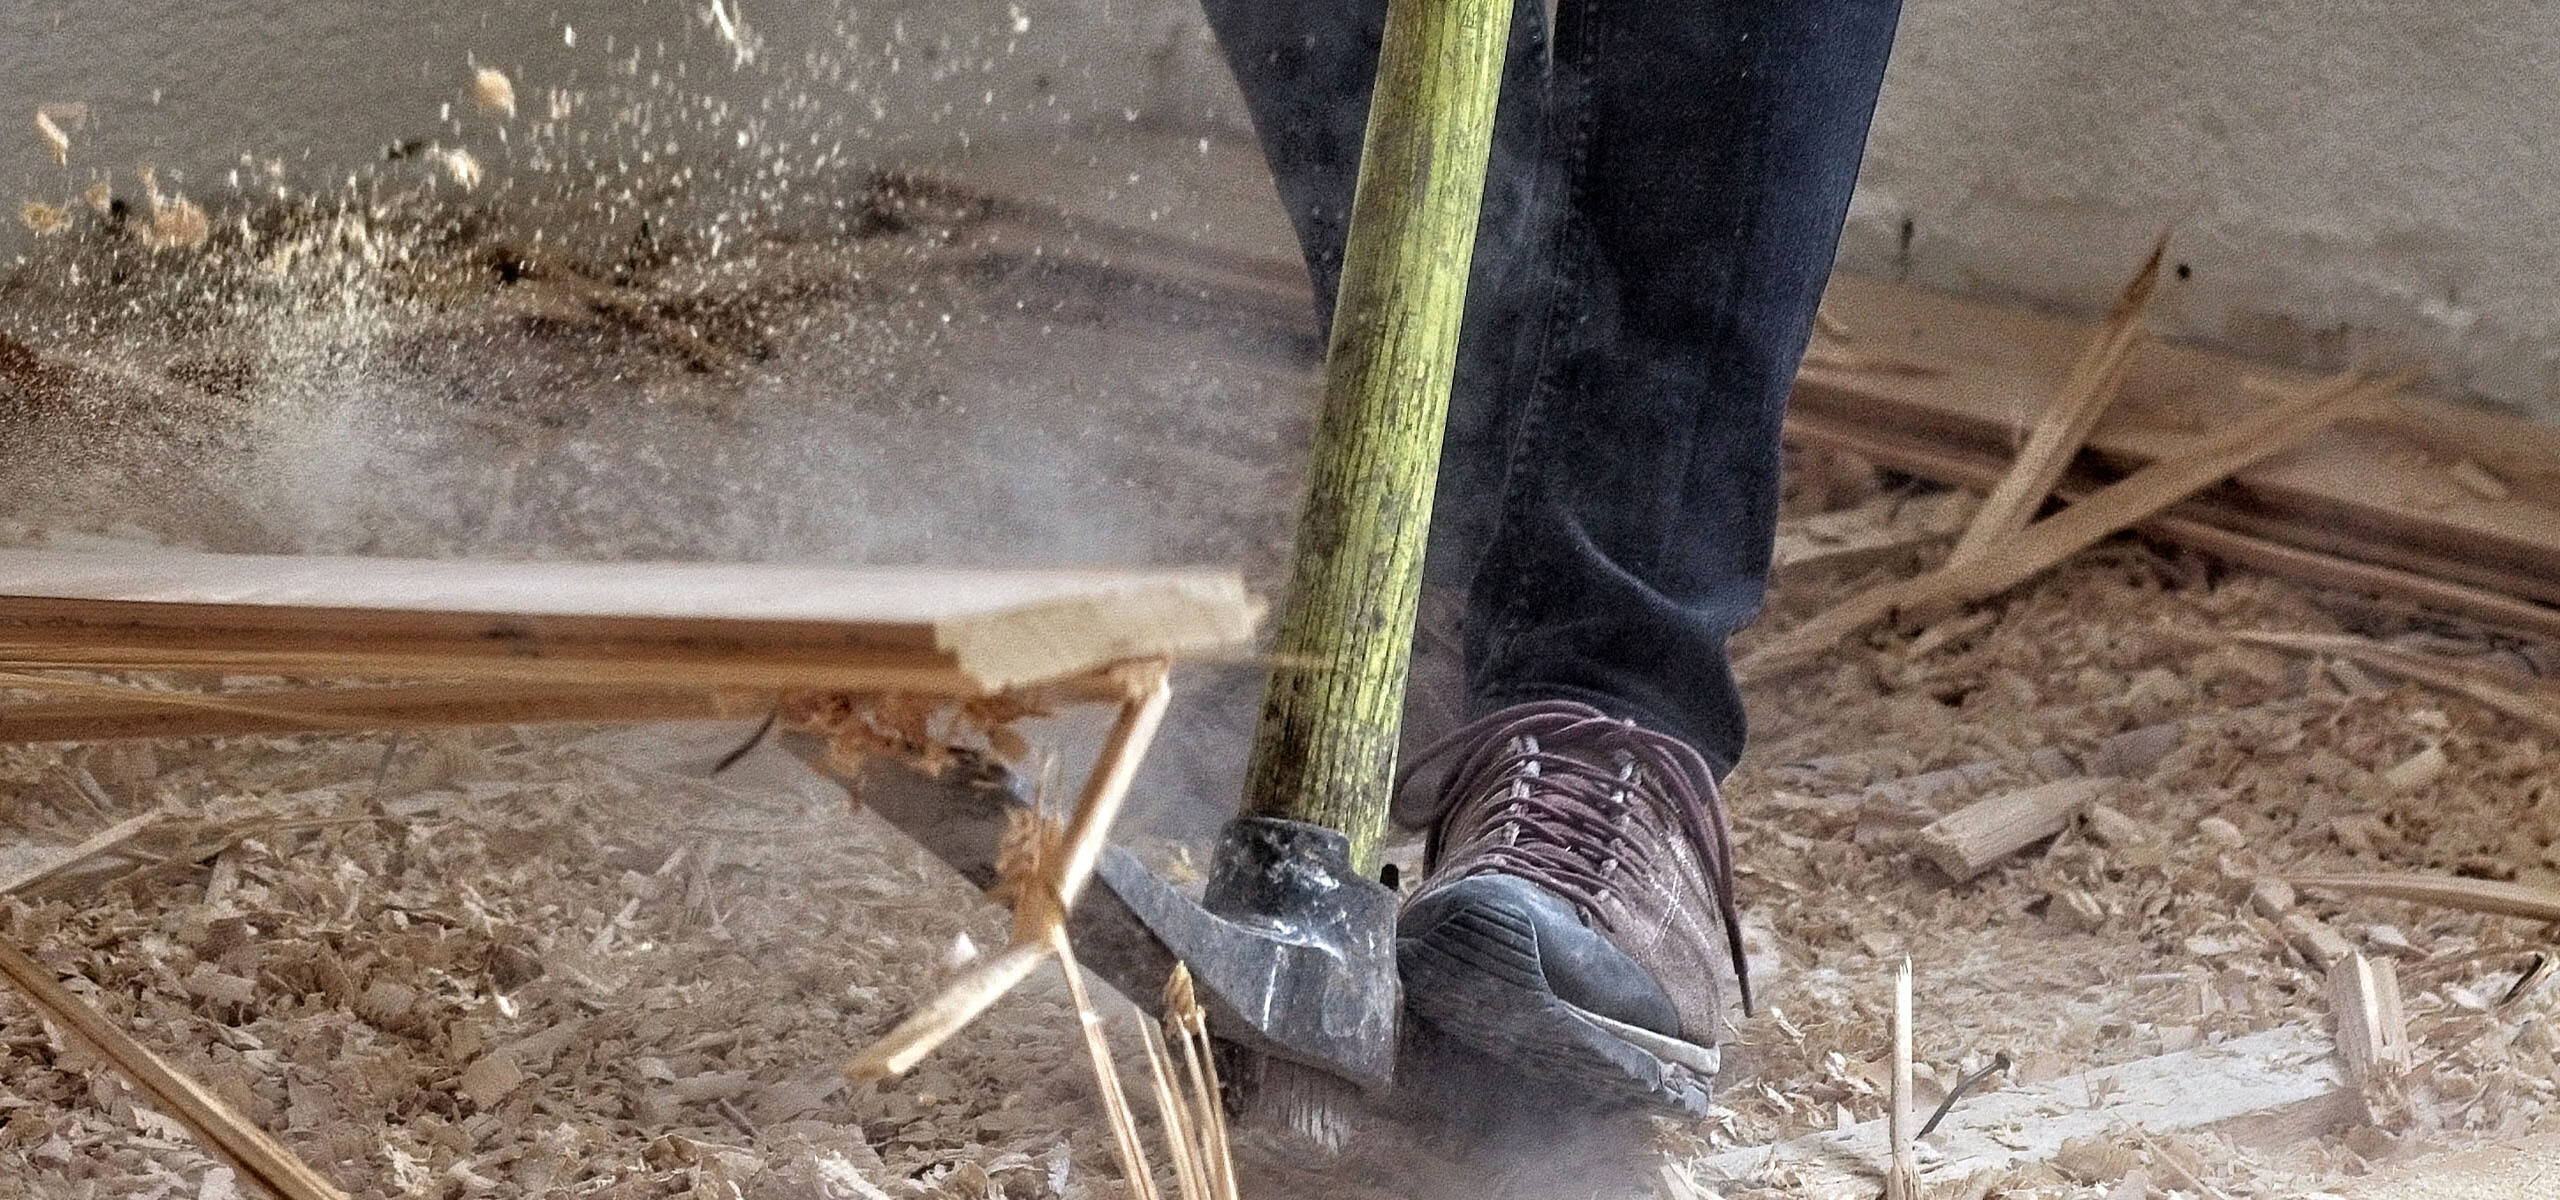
1117, 767
1189, 1168
2530, 701
1182, 1012
2064, 425
2445, 891
1041, 902
1106, 1075
2048, 542
950, 1010
94, 845
224, 1133
1902, 1179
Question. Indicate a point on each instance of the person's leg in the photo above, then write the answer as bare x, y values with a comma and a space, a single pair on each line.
1709, 148
1684, 167
1578, 918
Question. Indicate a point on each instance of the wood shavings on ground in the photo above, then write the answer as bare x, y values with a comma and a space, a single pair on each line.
44, 220
520, 968
2132, 937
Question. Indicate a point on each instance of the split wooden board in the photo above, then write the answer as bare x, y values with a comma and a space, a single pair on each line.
936, 630
2263, 1089
2404, 489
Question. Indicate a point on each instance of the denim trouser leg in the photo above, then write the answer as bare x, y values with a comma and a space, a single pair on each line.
1668, 192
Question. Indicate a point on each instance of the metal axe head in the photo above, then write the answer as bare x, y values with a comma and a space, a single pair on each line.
1291, 952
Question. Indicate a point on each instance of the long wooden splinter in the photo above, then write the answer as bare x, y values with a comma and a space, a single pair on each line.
222, 1132
906, 1043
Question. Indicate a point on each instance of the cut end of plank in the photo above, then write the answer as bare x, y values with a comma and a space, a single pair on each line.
1157, 616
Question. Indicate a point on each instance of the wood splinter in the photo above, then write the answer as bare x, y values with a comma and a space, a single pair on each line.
1902, 1176
1038, 926
2373, 1034
1971, 840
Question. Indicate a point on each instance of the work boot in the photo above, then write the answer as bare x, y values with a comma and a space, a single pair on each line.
1575, 922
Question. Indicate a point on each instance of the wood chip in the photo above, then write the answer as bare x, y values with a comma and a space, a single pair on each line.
2310, 937
2417, 771
55, 140
493, 92
2271, 898
491, 1078
1967, 842
220, 987
2109, 827
2373, 1035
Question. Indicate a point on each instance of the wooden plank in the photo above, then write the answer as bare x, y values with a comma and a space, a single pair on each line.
2193, 523
943, 630
2264, 1089
2064, 424
2108, 510
309, 710
2388, 480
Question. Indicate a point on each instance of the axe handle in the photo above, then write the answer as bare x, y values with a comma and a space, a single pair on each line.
1325, 750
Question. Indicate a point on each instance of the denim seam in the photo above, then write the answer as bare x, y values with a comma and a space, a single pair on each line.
1562, 198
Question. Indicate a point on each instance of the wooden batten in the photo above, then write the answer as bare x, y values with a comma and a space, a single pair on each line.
678, 625
2198, 522
2389, 488
308, 710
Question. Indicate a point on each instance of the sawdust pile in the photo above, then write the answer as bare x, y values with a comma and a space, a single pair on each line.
2121, 940
504, 965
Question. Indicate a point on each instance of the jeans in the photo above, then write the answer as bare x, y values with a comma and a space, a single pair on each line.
1666, 191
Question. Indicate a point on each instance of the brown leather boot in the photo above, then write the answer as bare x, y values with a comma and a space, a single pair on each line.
1576, 919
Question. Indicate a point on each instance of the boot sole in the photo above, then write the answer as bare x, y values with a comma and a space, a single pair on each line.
1476, 980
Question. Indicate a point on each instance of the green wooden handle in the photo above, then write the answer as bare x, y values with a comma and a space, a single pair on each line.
1325, 751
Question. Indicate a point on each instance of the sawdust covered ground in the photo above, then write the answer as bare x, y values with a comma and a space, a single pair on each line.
531, 962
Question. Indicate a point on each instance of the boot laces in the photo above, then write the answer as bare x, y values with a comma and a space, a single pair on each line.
1570, 793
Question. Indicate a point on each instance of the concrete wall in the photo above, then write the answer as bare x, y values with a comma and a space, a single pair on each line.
2347, 176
